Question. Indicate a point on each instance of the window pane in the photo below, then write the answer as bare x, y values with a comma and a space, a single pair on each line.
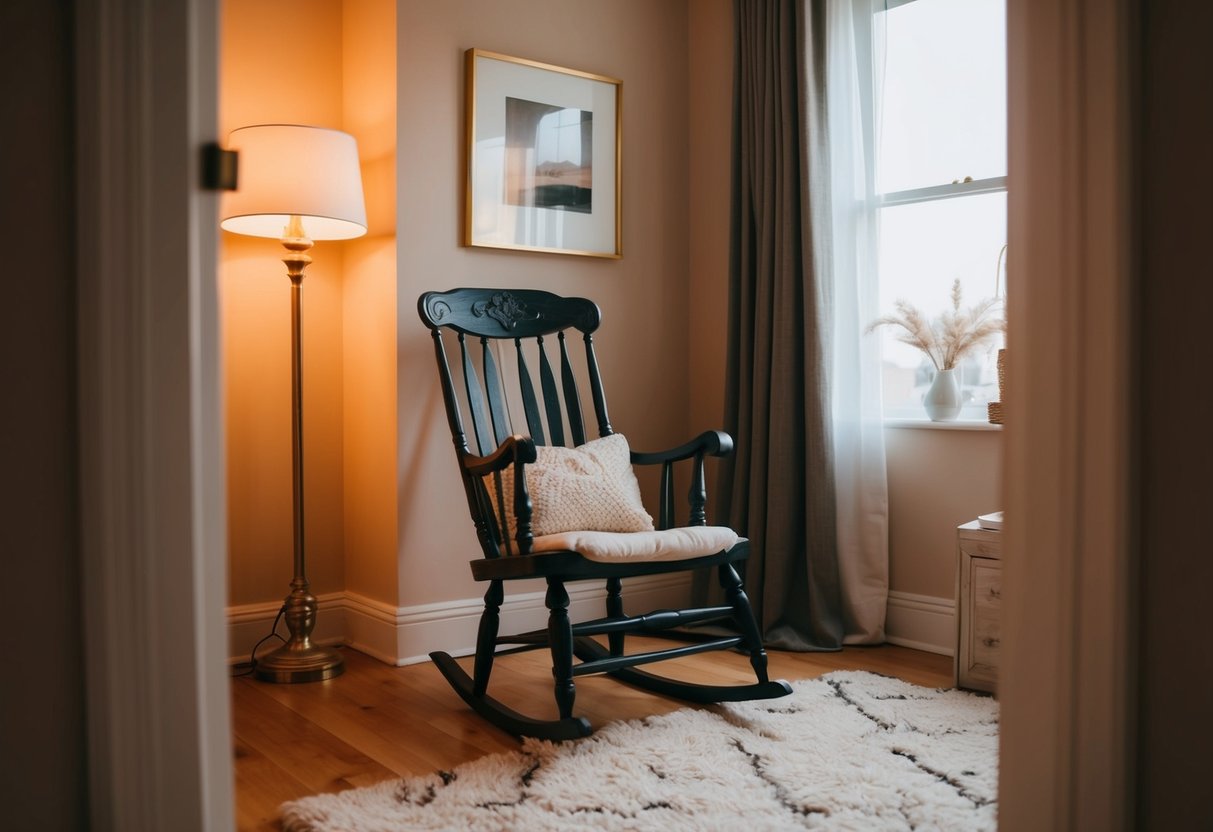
945, 98
924, 247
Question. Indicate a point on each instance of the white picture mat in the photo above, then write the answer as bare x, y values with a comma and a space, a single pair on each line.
496, 223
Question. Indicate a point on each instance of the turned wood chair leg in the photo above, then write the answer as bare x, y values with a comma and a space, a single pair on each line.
614, 608
743, 614
486, 637
560, 636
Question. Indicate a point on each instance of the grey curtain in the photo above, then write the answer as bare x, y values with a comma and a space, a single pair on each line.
778, 488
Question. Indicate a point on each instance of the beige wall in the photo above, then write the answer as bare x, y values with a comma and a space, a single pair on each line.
342, 76
644, 296
710, 25
709, 154
938, 479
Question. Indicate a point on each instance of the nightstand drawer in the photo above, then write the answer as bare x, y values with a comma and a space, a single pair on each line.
985, 638
979, 602
987, 584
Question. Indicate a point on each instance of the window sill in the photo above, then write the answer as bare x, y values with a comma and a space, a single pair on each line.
927, 424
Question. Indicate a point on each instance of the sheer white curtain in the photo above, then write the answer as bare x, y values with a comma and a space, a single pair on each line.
853, 71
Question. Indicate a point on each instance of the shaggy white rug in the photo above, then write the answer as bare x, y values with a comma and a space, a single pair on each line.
850, 750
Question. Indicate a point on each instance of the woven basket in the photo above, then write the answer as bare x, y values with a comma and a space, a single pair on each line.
994, 409
1002, 375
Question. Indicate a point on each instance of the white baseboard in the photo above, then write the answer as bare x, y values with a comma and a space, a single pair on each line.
406, 635
922, 622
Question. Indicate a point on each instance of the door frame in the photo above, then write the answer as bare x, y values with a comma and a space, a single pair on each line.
153, 526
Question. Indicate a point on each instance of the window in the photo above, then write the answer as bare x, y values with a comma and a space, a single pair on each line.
941, 178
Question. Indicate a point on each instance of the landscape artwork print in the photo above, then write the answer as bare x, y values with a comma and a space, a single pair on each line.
549, 156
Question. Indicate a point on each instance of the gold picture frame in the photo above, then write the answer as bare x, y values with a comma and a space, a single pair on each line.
544, 163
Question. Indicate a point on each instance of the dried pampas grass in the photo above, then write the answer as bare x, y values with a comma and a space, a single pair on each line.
952, 335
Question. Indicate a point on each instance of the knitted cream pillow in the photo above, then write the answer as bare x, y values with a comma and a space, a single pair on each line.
587, 488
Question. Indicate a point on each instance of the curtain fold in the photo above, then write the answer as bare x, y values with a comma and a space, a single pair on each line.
854, 68
805, 484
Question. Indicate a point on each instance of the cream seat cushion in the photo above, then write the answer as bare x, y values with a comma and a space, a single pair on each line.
682, 543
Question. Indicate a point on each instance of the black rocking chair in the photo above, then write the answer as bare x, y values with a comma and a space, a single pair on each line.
510, 551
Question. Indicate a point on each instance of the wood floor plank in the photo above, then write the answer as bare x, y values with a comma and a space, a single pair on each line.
261, 787
321, 760
377, 721
398, 724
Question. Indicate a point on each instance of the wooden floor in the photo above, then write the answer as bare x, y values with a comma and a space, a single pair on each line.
378, 722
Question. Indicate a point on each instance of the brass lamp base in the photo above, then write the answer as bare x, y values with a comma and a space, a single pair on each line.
299, 660
296, 662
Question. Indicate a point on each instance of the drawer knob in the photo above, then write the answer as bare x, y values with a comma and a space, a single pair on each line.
995, 593
990, 642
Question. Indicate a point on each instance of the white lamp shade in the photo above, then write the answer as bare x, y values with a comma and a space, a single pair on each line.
290, 170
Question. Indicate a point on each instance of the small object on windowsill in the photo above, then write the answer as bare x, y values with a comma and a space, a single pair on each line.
993, 522
994, 409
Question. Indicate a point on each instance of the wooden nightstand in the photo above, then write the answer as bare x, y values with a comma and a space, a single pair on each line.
979, 594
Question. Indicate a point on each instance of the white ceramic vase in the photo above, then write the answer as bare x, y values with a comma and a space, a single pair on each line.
943, 400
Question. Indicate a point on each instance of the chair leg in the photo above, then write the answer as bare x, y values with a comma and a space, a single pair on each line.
474, 689
743, 614
614, 608
486, 638
560, 636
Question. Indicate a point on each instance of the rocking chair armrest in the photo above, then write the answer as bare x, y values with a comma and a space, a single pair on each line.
711, 443
708, 443
514, 449
517, 451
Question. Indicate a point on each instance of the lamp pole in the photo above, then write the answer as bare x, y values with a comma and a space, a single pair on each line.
298, 660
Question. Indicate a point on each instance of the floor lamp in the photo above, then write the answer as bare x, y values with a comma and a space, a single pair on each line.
297, 184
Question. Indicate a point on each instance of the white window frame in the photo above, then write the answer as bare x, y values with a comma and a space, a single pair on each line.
933, 193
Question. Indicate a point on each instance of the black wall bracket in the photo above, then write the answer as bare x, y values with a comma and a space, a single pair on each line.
220, 168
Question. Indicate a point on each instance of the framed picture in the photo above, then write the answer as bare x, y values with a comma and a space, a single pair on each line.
543, 157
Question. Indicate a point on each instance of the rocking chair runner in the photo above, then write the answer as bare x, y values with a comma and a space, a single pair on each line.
511, 551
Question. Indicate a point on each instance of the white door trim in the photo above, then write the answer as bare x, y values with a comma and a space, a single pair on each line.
1066, 684
152, 491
